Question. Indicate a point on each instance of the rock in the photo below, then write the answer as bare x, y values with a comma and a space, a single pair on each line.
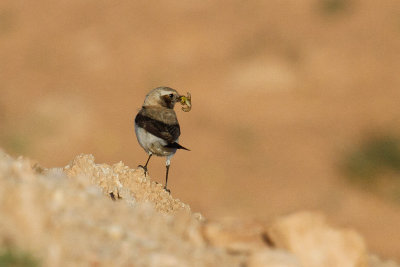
235, 235
71, 221
315, 243
119, 181
272, 258
66, 217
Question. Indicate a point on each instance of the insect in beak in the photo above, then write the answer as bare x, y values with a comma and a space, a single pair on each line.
186, 102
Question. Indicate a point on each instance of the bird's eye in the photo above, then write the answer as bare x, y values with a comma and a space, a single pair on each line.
171, 95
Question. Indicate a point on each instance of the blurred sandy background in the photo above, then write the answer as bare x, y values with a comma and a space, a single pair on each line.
281, 91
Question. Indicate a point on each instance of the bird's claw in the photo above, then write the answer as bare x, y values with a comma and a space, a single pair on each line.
144, 169
166, 189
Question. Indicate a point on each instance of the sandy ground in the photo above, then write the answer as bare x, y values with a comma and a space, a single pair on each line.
281, 90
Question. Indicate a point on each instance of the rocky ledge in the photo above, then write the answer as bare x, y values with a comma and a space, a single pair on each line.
89, 214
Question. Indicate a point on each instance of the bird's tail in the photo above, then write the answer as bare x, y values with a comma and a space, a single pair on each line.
176, 145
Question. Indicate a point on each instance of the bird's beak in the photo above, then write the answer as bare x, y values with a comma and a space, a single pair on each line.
186, 102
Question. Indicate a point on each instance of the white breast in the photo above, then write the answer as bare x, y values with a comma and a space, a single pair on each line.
152, 143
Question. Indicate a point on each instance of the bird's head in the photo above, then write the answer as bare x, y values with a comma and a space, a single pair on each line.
164, 97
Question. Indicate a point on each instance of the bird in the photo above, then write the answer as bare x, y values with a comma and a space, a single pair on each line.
156, 125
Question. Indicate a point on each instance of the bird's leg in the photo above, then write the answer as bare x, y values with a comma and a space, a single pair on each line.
166, 176
145, 166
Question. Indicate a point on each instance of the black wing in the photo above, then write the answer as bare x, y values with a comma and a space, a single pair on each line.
168, 132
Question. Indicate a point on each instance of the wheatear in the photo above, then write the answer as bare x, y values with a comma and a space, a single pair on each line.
156, 125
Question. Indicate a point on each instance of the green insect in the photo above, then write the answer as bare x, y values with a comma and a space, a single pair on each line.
186, 102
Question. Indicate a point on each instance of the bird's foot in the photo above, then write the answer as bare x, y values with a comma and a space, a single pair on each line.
144, 169
113, 196
166, 189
